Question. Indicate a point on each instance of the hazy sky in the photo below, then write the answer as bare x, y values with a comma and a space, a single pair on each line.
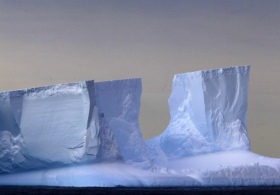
49, 42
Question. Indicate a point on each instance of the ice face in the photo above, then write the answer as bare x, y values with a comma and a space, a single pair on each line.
48, 126
58, 116
5, 141
87, 121
208, 112
71, 123
119, 100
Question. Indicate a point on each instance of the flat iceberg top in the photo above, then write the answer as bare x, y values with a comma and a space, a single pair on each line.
212, 73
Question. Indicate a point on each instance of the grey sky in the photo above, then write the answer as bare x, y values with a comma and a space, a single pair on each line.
48, 42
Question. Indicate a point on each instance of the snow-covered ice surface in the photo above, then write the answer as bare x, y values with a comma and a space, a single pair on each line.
91, 136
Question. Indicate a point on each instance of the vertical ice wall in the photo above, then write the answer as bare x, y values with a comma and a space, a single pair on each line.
58, 116
10, 115
208, 112
48, 126
119, 100
226, 102
71, 123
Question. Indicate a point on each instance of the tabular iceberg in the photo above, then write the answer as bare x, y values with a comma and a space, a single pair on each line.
96, 123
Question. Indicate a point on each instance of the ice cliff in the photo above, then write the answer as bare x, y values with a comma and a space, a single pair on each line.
48, 126
119, 100
70, 124
93, 126
208, 111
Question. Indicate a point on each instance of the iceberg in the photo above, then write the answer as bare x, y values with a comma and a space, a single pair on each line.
208, 112
71, 123
48, 126
87, 134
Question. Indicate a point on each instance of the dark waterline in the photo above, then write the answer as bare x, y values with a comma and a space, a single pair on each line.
128, 190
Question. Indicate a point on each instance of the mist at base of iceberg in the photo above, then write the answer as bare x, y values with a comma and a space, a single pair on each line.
230, 168
87, 134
